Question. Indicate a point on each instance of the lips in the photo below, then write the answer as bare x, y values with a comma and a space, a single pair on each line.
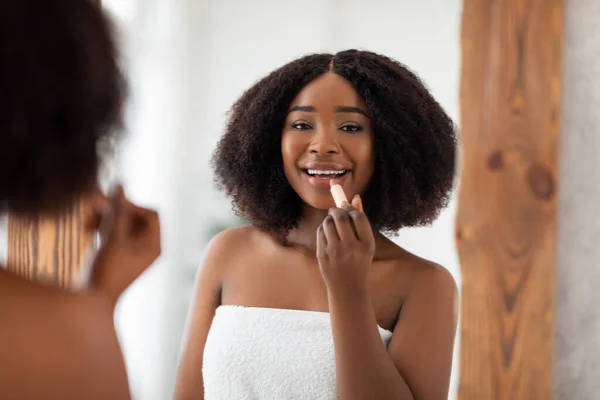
320, 175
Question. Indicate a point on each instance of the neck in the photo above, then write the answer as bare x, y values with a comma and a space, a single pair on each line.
305, 234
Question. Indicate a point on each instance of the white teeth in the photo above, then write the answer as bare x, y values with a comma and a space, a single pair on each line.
320, 172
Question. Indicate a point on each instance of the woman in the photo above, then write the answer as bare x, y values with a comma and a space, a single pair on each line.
61, 94
313, 301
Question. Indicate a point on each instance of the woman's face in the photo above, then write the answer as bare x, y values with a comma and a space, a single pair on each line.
327, 136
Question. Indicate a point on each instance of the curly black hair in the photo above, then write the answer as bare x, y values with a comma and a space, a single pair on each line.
61, 97
414, 139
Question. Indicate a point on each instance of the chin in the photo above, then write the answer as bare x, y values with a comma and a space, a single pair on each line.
323, 206
319, 203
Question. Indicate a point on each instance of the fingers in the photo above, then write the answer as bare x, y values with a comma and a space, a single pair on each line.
361, 224
120, 211
343, 224
357, 219
93, 219
144, 218
126, 221
145, 226
321, 242
357, 203
131, 243
330, 230
96, 207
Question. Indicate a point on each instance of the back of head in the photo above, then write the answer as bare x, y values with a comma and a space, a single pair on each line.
61, 95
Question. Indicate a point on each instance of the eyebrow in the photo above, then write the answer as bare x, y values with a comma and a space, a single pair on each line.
339, 109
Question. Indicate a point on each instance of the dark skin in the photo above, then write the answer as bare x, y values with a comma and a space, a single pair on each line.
63, 344
60, 118
59, 344
334, 262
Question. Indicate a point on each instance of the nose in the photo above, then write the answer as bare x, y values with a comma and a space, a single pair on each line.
324, 142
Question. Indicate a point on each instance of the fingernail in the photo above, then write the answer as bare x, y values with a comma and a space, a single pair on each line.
358, 201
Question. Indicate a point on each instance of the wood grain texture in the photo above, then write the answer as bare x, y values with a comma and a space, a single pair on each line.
48, 249
506, 222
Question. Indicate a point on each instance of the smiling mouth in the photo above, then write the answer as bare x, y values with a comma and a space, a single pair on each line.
325, 174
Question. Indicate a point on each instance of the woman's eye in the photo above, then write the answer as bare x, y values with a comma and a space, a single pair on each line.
301, 126
351, 128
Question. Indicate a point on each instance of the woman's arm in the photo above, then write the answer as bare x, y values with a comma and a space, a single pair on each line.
207, 297
418, 361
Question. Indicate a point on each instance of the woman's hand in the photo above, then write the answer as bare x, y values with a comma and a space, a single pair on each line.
130, 243
345, 248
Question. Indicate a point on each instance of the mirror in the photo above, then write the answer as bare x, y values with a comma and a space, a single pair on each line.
187, 63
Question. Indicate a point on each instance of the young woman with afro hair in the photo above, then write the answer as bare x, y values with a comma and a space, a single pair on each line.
61, 97
312, 300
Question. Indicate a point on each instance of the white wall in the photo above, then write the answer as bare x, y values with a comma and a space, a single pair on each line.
189, 61
577, 316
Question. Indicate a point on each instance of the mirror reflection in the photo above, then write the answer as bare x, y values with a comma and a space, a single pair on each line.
303, 163
189, 64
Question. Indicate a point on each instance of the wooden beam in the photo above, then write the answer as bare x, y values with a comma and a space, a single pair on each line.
506, 223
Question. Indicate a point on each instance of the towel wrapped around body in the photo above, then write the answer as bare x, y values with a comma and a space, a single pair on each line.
254, 353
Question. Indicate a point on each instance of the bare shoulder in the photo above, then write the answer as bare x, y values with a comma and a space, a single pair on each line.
432, 276
78, 326
425, 288
233, 245
423, 276
230, 241
434, 288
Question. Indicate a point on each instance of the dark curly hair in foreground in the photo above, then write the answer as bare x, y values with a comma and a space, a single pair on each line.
414, 141
61, 92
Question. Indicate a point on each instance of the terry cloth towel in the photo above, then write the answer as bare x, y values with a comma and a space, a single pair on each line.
254, 353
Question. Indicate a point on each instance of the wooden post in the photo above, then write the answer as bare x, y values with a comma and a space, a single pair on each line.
49, 249
506, 223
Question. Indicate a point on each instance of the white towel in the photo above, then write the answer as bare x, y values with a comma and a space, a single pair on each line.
254, 353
